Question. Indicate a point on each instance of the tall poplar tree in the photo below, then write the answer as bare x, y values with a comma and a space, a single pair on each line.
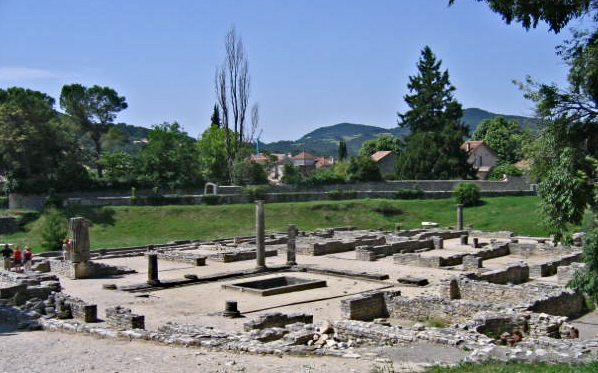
433, 147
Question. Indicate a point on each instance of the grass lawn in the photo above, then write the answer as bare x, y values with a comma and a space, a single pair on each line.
140, 225
518, 368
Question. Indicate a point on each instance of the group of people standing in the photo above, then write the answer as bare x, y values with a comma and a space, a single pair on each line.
17, 258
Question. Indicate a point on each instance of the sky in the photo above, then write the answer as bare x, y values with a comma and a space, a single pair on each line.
312, 63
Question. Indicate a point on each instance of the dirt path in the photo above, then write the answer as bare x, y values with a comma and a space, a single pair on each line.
56, 352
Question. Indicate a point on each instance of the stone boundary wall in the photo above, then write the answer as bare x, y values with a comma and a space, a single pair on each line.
232, 194
418, 260
123, 319
551, 268
183, 257
430, 308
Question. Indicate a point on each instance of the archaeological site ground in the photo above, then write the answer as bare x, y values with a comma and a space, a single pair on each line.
346, 292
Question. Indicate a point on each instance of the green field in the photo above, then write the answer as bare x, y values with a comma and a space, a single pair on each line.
140, 225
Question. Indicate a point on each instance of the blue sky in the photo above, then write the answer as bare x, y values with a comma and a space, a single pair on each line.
312, 63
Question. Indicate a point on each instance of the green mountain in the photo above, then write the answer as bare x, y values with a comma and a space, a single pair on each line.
324, 140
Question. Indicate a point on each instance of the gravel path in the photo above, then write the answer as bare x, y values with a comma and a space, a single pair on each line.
56, 352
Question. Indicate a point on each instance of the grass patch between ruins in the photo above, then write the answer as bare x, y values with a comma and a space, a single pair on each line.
499, 367
140, 225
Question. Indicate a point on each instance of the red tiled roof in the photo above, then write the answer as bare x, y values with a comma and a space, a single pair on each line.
304, 155
380, 154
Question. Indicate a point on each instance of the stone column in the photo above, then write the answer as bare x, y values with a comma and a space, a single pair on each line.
78, 231
260, 235
152, 269
460, 216
291, 246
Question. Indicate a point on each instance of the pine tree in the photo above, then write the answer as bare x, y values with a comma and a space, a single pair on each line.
215, 119
434, 118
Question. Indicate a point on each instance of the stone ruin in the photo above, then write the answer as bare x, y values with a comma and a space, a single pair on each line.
488, 306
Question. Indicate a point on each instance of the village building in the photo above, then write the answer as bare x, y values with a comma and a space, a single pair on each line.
480, 156
386, 160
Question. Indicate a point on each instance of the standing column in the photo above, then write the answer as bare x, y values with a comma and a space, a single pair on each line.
78, 230
460, 216
260, 235
292, 246
152, 269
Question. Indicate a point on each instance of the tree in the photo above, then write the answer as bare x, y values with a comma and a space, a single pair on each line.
434, 119
342, 150
506, 138
170, 158
232, 91
566, 152
391, 143
215, 119
363, 168
556, 13
212, 155
37, 151
94, 110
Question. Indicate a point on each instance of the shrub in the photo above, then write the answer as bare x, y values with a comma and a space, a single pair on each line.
467, 194
497, 172
3, 202
254, 192
53, 229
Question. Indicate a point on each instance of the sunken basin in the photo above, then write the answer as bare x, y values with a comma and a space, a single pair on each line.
277, 285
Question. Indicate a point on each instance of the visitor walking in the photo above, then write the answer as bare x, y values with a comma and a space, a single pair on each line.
17, 258
27, 259
6, 254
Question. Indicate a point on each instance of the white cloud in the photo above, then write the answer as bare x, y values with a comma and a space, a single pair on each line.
25, 73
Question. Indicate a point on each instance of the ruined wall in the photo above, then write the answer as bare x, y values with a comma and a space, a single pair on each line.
333, 247
278, 320
123, 319
368, 306
514, 273
429, 308
550, 268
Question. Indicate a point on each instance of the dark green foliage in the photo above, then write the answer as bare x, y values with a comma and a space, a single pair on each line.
248, 173
505, 138
409, 194
585, 279
254, 193
211, 199
53, 229
498, 172
3, 202
363, 168
215, 119
369, 147
322, 176
433, 148
291, 175
387, 208
337, 195
170, 159
467, 194
556, 13
342, 150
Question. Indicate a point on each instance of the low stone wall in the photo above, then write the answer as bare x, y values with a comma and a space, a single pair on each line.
236, 256
183, 257
550, 268
66, 306
277, 320
514, 273
551, 299
123, 319
365, 307
369, 253
418, 260
333, 247
436, 308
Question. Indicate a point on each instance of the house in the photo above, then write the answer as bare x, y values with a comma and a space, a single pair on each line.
480, 156
386, 160
305, 161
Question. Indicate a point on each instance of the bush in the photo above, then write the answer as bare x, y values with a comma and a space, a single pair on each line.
3, 202
254, 192
53, 227
467, 194
497, 172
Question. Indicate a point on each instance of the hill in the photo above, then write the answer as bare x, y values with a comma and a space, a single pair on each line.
324, 140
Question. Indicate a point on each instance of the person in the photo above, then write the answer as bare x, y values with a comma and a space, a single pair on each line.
17, 258
66, 249
27, 259
6, 254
